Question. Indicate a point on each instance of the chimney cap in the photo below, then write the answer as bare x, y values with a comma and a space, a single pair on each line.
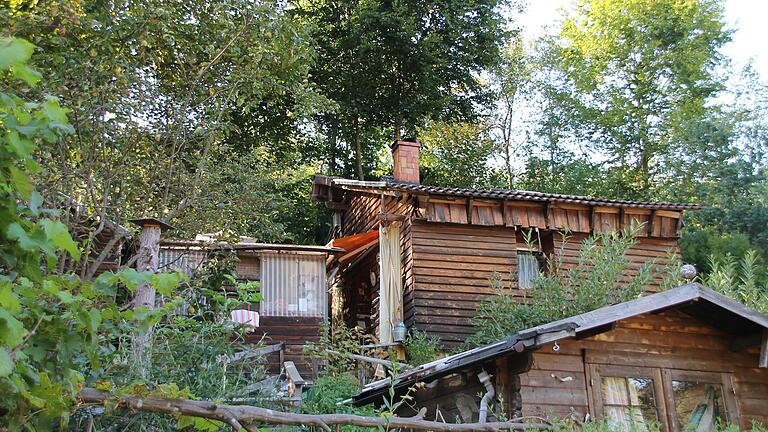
413, 142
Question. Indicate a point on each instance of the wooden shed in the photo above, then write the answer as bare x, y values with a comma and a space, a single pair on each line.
294, 289
452, 241
681, 359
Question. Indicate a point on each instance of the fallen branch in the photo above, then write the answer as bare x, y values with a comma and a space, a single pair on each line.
248, 417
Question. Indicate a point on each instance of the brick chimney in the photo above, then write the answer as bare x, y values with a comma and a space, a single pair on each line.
405, 154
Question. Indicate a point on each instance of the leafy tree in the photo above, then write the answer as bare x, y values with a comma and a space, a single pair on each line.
53, 328
158, 91
624, 76
391, 65
457, 155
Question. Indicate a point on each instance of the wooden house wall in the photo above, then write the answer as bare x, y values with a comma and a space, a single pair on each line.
294, 332
558, 384
452, 270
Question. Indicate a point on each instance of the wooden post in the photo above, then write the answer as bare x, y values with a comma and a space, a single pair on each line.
764, 350
147, 261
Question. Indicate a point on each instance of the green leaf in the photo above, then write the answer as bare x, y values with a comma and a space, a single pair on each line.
23, 147
14, 51
58, 233
12, 331
21, 182
8, 299
6, 363
164, 283
26, 73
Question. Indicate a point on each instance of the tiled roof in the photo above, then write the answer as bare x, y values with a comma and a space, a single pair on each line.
511, 194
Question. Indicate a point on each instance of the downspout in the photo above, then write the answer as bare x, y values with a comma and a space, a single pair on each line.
490, 392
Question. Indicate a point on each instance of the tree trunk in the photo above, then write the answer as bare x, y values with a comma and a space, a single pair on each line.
358, 150
148, 254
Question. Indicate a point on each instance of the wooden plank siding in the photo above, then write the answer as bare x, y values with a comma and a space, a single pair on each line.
558, 383
451, 272
294, 332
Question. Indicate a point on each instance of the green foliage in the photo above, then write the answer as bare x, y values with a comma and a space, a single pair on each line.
163, 95
53, 328
622, 79
744, 280
390, 66
697, 247
457, 155
564, 292
342, 339
189, 359
421, 348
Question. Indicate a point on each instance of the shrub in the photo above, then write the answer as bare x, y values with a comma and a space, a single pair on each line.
421, 348
598, 279
742, 280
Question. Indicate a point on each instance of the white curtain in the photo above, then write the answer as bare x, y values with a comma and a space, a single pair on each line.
391, 283
624, 414
293, 285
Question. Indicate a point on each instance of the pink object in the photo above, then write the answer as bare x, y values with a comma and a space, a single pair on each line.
242, 316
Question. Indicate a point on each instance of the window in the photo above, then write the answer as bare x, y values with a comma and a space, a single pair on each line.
629, 403
527, 269
293, 285
699, 400
646, 399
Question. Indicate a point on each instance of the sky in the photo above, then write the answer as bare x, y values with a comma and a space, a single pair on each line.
746, 17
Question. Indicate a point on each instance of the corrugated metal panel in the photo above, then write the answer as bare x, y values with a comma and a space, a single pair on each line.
293, 285
181, 260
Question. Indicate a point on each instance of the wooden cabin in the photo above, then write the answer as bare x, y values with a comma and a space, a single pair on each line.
450, 243
681, 359
294, 289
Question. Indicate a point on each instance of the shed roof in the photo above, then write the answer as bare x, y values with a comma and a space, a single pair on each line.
693, 298
389, 184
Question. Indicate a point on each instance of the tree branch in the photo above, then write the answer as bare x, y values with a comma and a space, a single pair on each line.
243, 417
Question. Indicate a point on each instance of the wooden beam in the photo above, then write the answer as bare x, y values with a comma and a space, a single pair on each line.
469, 211
651, 217
336, 205
373, 360
621, 218
764, 350
591, 219
392, 217
546, 214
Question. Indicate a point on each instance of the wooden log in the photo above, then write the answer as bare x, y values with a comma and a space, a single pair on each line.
241, 417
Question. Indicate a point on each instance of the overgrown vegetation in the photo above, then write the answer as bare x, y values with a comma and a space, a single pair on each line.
420, 348
566, 289
742, 280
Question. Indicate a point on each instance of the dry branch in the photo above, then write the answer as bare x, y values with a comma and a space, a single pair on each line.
248, 417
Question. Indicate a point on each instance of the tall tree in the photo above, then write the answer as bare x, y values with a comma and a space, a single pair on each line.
156, 90
626, 74
394, 64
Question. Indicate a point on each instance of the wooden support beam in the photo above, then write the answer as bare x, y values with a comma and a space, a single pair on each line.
392, 217
592, 224
469, 211
651, 217
546, 215
621, 218
764, 350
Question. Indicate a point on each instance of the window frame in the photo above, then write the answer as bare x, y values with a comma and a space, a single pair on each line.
663, 391
598, 371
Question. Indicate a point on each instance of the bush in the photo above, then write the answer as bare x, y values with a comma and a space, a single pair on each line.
421, 348
326, 394
743, 280
598, 279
